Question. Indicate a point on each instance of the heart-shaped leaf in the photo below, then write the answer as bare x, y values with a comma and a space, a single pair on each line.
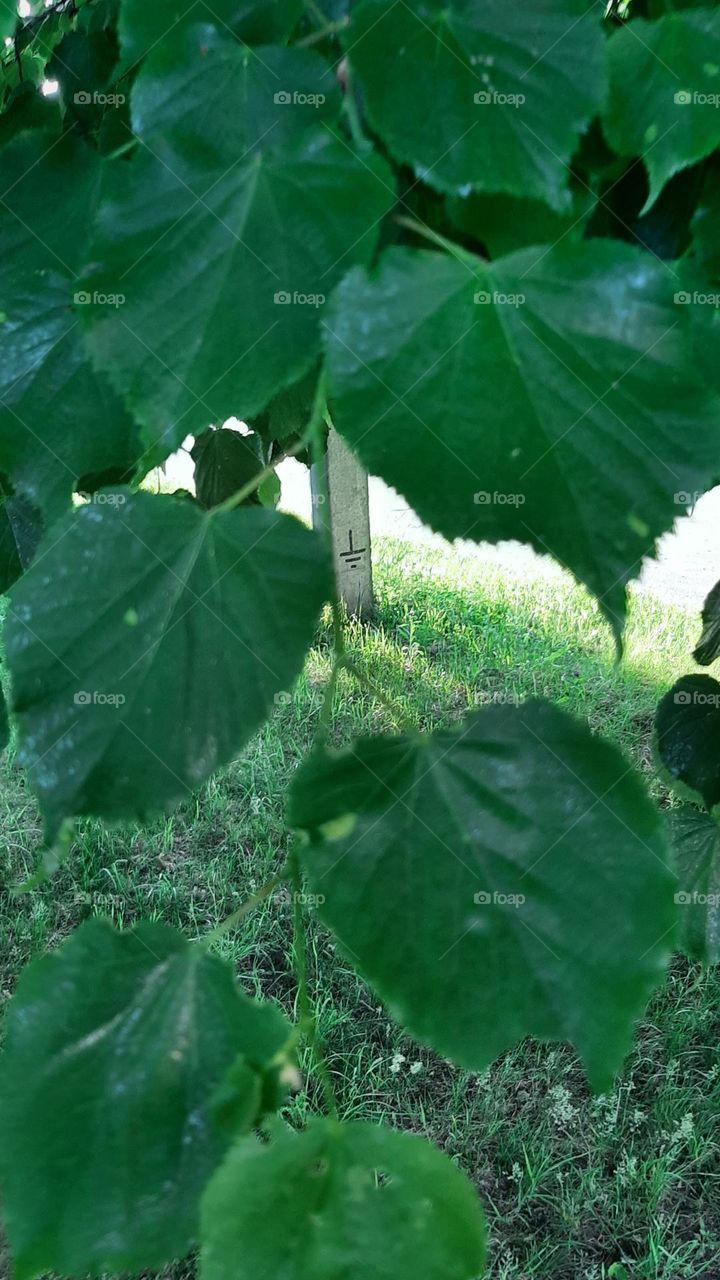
517, 84
227, 241
59, 418
145, 28
696, 842
687, 727
665, 92
131, 686
225, 462
471, 876
506, 400
116, 1045
20, 532
341, 1200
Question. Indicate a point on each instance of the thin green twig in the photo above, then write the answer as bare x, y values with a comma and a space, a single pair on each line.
306, 1014
233, 920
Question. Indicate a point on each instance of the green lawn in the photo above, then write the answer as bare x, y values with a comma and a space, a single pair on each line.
572, 1184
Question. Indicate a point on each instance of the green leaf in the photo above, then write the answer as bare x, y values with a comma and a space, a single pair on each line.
8, 18
665, 92
687, 728
4, 724
27, 110
708, 647
147, 644
481, 96
706, 227
696, 841
470, 875
334, 10
115, 1045
267, 21
270, 490
701, 300
83, 65
43, 362
506, 223
204, 219
313, 1206
20, 532
144, 28
599, 423
289, 413
35, 42
225, 462
658, 8
265, 97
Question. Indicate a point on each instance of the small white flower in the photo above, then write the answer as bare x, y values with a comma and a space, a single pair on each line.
562, 1111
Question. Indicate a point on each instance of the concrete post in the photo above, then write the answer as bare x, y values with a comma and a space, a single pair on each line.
349, 518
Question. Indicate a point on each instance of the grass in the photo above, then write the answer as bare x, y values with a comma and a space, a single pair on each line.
575, 1187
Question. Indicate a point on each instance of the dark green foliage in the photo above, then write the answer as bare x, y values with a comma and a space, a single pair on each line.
406, 220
